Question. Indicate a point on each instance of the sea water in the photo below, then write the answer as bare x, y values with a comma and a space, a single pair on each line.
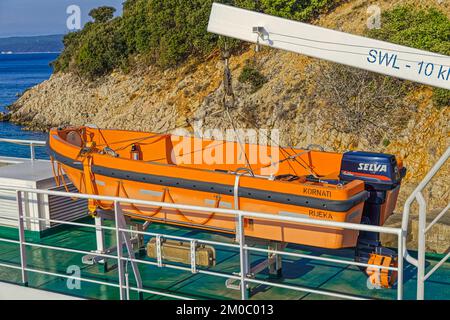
19, 72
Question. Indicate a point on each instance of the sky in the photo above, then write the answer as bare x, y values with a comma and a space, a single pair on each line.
46, 17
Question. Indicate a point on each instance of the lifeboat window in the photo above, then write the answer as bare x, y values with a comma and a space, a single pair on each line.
269, 197
288, 199
306, 202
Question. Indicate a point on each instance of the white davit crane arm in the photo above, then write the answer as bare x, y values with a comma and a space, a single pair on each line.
340, 47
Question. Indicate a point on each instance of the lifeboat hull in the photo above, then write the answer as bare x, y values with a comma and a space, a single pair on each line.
167, 182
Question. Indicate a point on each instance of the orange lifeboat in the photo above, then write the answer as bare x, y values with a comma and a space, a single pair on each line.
169, 168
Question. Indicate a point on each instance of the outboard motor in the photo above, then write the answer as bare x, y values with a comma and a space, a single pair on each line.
382, 175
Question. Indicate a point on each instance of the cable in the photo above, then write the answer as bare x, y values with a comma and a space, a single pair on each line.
343, 51
285, 153
228, 91
239, 141
435, 55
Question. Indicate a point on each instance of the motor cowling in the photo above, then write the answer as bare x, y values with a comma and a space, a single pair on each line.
379, 171
382, 175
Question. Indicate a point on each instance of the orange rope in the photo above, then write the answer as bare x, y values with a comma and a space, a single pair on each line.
134, 206
58, 175
191, 221
110, 207
55, 176
158, 210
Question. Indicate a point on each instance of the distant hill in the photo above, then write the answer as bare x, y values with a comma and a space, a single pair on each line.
51, 43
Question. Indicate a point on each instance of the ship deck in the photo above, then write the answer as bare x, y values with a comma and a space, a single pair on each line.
296, 271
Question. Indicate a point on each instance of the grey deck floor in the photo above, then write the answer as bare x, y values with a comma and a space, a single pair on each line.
302, 272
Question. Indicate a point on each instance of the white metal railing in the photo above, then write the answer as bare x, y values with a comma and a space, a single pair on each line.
422, 227
31, 143
401, 233
244, 249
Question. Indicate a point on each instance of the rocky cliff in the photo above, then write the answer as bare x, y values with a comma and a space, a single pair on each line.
295, 99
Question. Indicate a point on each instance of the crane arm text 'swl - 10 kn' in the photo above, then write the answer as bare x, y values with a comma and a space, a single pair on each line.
356, 51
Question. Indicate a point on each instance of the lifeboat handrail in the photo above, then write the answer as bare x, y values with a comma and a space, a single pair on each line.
422, 228
244, 248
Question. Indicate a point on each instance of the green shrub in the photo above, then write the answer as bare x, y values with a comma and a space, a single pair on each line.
177, 29
296, 9
71, 43
101, 51
427, 29
252, 76
164, 32
441, 97
102, 14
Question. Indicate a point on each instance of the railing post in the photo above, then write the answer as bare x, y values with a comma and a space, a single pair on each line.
22, 240
100, 239
421, 246
127, 285
243, 259
414, 195
32, 154
193, 256
119, 243
401, 235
